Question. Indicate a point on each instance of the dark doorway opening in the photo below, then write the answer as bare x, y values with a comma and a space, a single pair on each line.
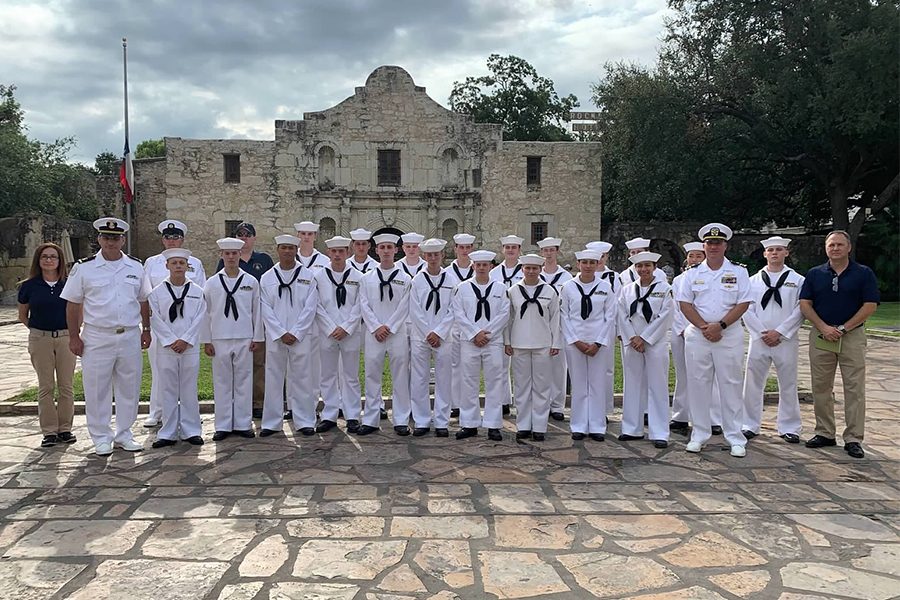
393, 230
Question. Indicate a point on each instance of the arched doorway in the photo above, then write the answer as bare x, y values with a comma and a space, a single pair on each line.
393, 230
671, 256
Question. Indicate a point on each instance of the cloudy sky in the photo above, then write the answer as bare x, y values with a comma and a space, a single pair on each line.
229, 68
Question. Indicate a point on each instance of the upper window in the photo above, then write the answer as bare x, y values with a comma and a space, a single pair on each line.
533, 170
476, 178
538, 232
232, 163
388, 167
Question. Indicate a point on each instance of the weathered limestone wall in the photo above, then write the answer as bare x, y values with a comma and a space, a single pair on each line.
567, 199
149, 207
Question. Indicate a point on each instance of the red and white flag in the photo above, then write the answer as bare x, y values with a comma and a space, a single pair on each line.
126, 175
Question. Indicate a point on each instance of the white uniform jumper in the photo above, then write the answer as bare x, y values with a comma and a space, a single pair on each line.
461, 274
385, 301
110, 293
233, 320
776, 307
713, 294
629, 276
608, 358
288, 302
177, 313
508, 277
558, 383
430, 311
339, 307
314, 261
646, 312
532, 331
588, 314
478, 308
155, 272
363, 267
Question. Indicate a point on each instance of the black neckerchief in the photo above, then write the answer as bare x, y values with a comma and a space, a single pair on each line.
230, 302
611, 275
340, 290
507, 281
406, 268
631, 273
287, 286
555, 279
177, 308
460, 275
773, 292
312, 259
435, 294
642, 300
386, 284
482, 307
532, 300
587, 305
364, 268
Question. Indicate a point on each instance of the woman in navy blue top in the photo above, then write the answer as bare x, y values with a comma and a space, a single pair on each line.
44, 313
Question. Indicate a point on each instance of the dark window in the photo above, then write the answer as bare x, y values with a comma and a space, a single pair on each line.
533, 171
388, 167
230, 226
538, 232
232, 164
476, 178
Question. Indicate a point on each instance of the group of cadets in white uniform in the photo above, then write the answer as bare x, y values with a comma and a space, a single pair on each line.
526, 327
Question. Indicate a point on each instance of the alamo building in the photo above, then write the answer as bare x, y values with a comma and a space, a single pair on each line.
388, 158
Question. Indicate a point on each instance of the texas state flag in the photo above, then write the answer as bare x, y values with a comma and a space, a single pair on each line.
126, 175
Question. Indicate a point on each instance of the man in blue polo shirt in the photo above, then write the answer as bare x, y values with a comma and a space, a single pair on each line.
837, 298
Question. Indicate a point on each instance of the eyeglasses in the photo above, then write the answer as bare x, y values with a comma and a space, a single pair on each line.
834, 284
49, 257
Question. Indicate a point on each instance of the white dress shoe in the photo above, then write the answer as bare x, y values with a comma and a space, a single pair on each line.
151, 422
739, 451
130, 446
694, 447
103, 449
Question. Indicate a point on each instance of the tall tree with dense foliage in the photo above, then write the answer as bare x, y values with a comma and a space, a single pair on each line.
515, 96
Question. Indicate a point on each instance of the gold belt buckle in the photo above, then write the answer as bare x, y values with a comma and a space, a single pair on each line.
120, 330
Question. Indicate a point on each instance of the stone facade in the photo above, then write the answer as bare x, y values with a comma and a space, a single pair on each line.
333, 167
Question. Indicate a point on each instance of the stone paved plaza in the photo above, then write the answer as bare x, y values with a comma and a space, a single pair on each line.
384, 517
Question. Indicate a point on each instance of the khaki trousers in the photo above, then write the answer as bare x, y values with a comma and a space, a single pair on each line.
54, 364
852, 362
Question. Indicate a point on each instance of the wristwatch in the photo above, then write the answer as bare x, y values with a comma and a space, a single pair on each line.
842, 329
146, 329
723, 324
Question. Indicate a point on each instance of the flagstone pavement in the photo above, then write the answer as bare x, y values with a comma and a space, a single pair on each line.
335, 517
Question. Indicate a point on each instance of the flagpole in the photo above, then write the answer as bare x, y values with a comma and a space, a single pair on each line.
125, 79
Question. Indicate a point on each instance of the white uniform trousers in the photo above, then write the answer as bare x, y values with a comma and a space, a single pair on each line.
680, 410
111, 366
590, 383
396, 347
420, 374
340, 379
607, 356
232, 370
710, 364
759, 358
558, 382
532, 370
177, 375
455, 368
507, 370
313, 340
475, 361
156, 409
646, 390
289, 369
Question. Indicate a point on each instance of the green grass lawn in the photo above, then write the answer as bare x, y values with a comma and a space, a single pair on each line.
205, 386
887, 315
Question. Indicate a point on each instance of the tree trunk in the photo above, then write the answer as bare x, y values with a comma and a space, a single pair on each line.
886, 195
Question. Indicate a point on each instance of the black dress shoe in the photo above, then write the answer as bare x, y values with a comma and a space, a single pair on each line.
220, 435
340, 413
466, 432
749, 434
660, 444
67, 437
307, 431
820, 441
402, 430
494, 434
162, 443
597, 437
790, 438
49, 440
325, 425
505, 409
420, 431
525, 433
679, 427
257, 413
537, 436
383, 414
454, 413
716, 430
854, 449
288, 415
268, 432
646, 420
244, 433
195, 440
557, 416
577, 435
366, 430
628, 438
441, 432
352, 426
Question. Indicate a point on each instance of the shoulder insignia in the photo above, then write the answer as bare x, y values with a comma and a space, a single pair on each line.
694, 266
135, 258
87, 259
734, 262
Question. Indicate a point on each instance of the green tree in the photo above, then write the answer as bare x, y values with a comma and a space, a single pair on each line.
151, 149
516, 97
107, 164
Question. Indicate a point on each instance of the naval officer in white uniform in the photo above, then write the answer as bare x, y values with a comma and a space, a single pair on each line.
110, 291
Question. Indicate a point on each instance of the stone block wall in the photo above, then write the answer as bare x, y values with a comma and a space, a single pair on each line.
149, 207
